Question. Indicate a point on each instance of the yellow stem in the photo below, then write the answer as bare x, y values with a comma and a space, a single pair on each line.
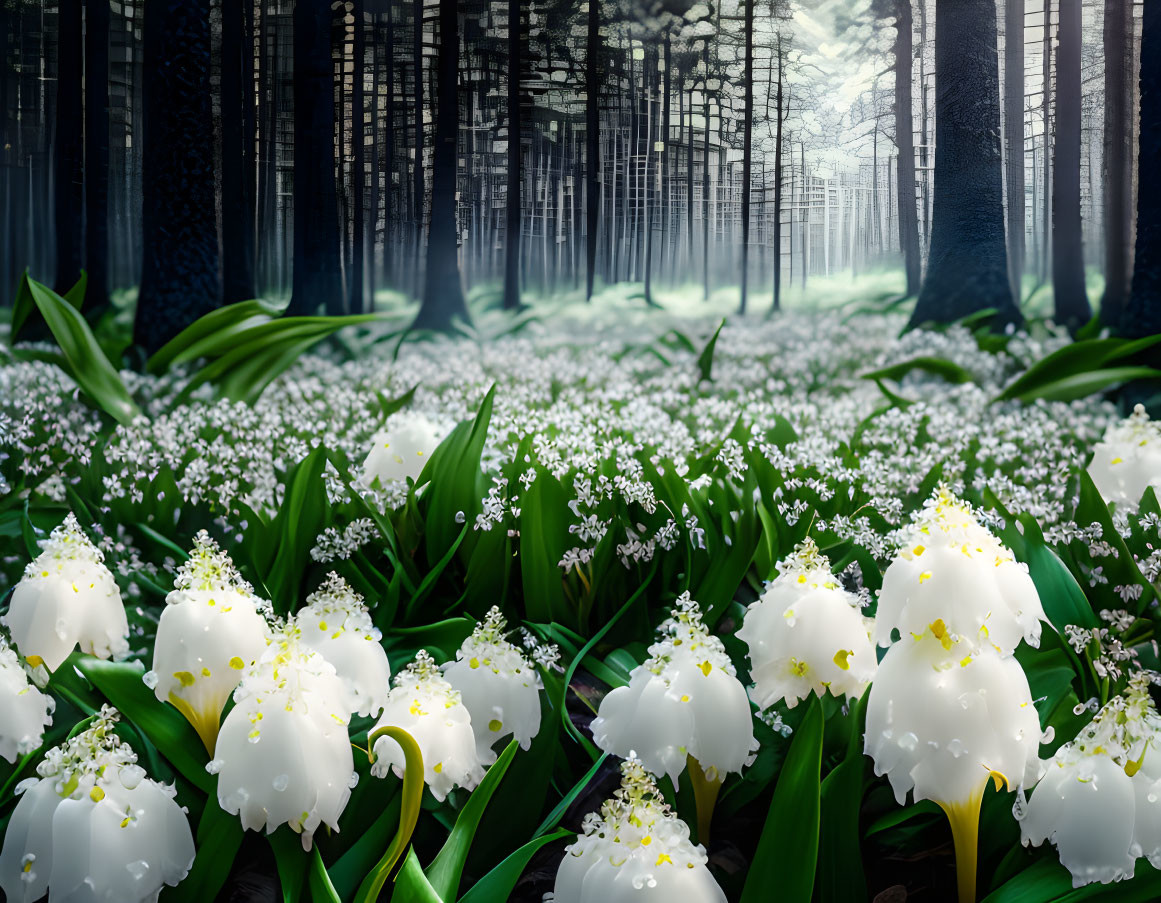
206, 724
705, 794
964, 817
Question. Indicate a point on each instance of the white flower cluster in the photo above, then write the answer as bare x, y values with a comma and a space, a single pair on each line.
1127, 461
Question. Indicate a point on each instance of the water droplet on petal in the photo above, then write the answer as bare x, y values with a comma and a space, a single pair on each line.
281, 782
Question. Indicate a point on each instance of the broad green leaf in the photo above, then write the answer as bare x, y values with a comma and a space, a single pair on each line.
92, 371
321, 888
1047, 879
705, 360
1077, 361
569, 798
411, 885
24, 306
350, 868
544, 538
787, 854
1063, 599
938, 366
1081, 385
840, 872
291, 861
500, 881
221, 325
301, 518
390, 405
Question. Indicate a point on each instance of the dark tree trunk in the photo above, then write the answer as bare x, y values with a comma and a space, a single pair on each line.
68, 149
592, 143
905, 143
1142, 315
237, 157
1046, 118
443, 296
355, 279
663, 137
689, 183
1118, 156
705, 185
417, 189
967, 268
1072, 307
181, 278
1014, 132
747, 133
515, 137
318, 273
778, 179
97, 157
648, 87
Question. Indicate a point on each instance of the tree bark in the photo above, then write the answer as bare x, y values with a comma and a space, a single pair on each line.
592, 143
97, 157
443, 296
1014, 133
515, 135
68, 149
967, 268
905, 143
356, 280
747, 133
237, 158
1118, 155
778, 180
1071, 301
1142, 314
181, 276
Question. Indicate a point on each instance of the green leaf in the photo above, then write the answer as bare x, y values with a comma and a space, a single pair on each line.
321, 889
1072, 368
411, 885
390, 405
211, 334
446, 869
705, 360
291, 861
93, 373
544, 538
787, 853
24, 306
301, 518
218, 839
1047, 879
840, 871
1063, 599
500, 881
938, 366
160, 722
569, 798
1081, 385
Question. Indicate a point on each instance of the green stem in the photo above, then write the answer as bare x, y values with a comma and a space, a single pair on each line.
705, 794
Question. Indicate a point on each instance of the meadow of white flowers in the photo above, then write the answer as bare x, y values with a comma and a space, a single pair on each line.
426, 605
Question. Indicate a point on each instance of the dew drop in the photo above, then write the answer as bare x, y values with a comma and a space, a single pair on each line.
281, 782
138, 869
214, 765
150, 679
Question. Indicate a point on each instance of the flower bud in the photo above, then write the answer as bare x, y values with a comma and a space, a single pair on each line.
24, 711
400, 450
93, 826
806, 633
686, 700
1128, 460
67, 598
209, 632
498, 686
429, 708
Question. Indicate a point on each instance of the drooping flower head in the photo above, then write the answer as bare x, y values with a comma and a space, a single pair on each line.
636, 849
400, 450
67, 598
283, 754
498, 686
24, 711
951, 568
336, 624
212, 628
685, 700
806, 633
1099, 801
1127, 461
93, 826
430, 710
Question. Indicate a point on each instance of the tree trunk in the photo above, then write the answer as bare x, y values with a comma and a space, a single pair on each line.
237, 158
1014, 132
592, 143
68, 149
443, 296
705, 186
97, 157
905, 143
1072, 307
180, 275
1142, 314
515, 135
1046, 118
747, 132
967, 268
778, 180
356, 279
1118, 155
418, 187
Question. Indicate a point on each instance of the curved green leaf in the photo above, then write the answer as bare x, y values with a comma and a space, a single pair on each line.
412, 797
938, 366
499, 882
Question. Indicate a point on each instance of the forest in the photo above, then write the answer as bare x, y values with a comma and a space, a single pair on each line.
580, 451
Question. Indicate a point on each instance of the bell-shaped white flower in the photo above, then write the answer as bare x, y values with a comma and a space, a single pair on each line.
943, 719
635, 850
685, 701
806, 633
336, 624
211, 629
1128, 460
498, 686
93, 826
1099, 801
429, 709
67, 598
283, 753
951, 568
24, 711
400, 450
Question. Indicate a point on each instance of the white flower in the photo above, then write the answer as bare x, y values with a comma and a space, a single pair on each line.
429, 708
1128, 460
24, 711
635, 850
400, 450
1099, 801
953, 569
67, 597
283, 754
93, 826
685, 701
336, 624
807, 633
209, 632
498, 686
